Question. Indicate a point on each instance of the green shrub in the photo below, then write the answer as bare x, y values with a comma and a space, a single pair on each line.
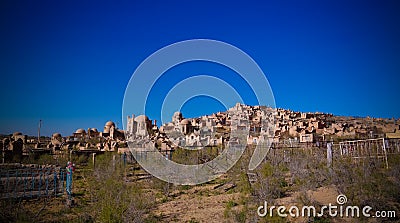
114, 200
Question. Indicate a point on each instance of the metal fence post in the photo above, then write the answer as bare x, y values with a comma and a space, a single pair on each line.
47, 181
55, 182
40, 181
8, 183
24, 179
16, 184
62, 182
33, 183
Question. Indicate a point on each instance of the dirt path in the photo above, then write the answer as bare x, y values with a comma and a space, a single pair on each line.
205, 204
199, 204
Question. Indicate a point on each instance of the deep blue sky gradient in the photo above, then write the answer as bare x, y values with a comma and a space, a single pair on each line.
68, 62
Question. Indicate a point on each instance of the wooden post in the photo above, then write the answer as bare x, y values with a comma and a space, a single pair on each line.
94, 159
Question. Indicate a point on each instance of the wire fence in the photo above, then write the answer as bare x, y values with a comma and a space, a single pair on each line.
31, 183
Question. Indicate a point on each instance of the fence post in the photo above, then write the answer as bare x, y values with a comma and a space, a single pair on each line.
16, 184
55, 182
47, 182
62, 180
8, 183
384, 150
329, 153
24, 179
33, 183
40, 181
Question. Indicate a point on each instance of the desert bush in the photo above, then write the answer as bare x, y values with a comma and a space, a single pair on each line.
308, 170
82, 159
163, 187
12, 211
366, 183
195, 156
235, 215
270, 183
113, 199
45, 159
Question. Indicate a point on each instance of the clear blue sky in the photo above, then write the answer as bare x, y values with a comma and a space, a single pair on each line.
68, 62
